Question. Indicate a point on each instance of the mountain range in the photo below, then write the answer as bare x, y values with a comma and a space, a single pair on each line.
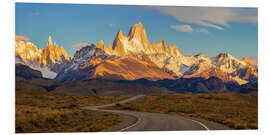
133, 57
46, 60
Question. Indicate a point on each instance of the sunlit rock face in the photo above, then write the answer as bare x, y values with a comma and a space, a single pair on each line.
28, 52
47, 60
171, 59
136, 43
129, 68
51, 54
132, 57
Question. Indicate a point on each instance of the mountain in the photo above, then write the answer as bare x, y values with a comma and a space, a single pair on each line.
185, 85
89, 87
26, 72
136, 43
53, 54
106, 87
223, 66
227, 63
210, 85
171, 60
133, 57
92, 62
48, 60
81, 66
27, 52
129, 68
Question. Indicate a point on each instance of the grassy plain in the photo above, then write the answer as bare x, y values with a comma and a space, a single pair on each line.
39, 111
237, 111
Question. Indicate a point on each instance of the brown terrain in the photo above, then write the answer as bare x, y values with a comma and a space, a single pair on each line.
237, 111
220, 89
130, 68
38, 111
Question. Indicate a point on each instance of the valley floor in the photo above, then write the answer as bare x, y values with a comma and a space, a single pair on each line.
237, 111
39, 111
43, 112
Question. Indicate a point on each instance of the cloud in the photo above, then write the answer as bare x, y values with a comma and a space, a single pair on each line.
112, 25
202, 30
183, 28
215, 17
188, 28
21, 38
78, 46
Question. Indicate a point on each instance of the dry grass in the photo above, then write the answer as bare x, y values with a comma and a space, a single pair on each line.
33, 97
40, 120
38, 111
237, 111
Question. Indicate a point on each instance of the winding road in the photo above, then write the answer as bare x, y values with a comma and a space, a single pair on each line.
144, 121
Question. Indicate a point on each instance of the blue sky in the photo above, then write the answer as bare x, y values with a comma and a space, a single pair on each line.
192, 29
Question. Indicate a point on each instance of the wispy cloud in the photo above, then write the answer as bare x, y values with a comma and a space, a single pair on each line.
21, 38
188, 28
202, 30
183, 28
215, 17
112, 25
78, 46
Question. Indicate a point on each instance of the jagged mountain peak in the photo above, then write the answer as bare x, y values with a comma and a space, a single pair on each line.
109, 46
118, 45
161, 42
166, 57
139, 24
47, 60
137, 43
84, 50
120, 34
100, 44
138, 34
52, 50
223, 57
200, 55
53, 54
50, 40
247, 61
80, 58
227, 63
202, 58
28, 52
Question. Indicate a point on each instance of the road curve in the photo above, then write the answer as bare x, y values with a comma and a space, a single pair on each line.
152, 121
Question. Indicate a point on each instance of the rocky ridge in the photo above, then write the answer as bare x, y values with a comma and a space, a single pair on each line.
133, 57
48, 60
171, 59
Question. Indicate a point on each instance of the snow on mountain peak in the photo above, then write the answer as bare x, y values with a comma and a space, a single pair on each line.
166, 57
42, 59
28, 52
227, 63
